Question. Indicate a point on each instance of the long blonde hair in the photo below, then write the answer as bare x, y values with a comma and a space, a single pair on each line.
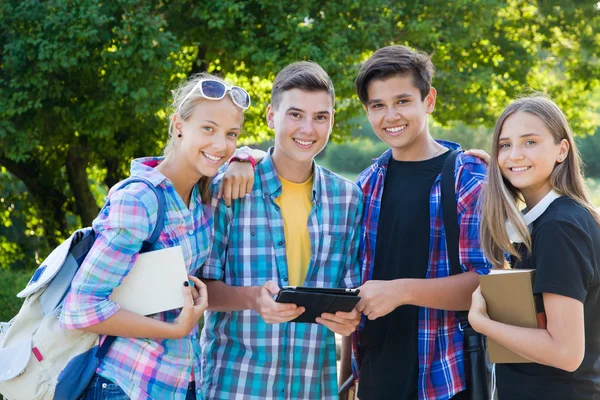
185, 111
500, 198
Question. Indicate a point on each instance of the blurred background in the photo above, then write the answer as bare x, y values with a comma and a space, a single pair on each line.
85, 87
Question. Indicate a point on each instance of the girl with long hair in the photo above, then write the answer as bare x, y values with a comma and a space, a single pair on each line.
157, 356
534, 161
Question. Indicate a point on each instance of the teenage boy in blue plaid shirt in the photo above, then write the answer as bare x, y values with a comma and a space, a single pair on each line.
300, 225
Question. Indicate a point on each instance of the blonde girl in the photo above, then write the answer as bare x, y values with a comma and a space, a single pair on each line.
156, 357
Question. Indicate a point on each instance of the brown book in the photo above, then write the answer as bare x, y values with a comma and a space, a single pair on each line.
509, 297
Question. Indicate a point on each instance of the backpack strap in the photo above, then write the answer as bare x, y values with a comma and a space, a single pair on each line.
450, 213
160, 213
103, 348
146, 246
451, 227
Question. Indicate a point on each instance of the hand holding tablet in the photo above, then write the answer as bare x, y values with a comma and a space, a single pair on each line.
271, 311
317, 301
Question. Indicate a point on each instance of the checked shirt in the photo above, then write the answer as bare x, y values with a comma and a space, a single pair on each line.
242, 356
143, 368
441, 367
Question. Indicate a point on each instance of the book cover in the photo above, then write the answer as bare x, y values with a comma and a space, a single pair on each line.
154, 284
509, 297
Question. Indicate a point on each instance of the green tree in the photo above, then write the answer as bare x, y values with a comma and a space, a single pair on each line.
84, 83
485, 51
81, 84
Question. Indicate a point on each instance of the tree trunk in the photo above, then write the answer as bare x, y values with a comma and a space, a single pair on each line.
199, 64
51, 204
54, 219
113, 176
85, 203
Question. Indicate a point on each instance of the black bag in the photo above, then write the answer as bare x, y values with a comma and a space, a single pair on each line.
477, 366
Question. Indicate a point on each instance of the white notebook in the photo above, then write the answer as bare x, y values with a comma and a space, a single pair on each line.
154, 284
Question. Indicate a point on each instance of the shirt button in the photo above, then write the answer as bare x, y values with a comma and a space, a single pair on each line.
253, 233
280, 243
191, 232
285, 279
104, 386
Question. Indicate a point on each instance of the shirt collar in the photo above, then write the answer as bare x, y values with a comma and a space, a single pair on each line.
531, 216
272, 184
146, 168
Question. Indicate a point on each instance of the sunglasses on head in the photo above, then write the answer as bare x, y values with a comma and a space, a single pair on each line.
212, 89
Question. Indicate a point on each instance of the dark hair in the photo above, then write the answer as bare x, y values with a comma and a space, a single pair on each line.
395, 60
303, 75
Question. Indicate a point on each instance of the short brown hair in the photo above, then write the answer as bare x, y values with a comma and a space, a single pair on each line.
303, 75
395, 60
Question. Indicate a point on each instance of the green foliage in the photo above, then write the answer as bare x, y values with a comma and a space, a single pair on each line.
81, 84
467, 136
593, 187
84, 84
352, 156
21, 231
589, 148
77, 71
560, 39
485, 51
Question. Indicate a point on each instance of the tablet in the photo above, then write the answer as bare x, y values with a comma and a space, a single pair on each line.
316, 301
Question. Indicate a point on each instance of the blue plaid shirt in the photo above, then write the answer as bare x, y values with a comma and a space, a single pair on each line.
242, 356
441, 367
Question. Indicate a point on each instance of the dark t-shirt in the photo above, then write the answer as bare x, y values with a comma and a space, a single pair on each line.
390, 368
566, 257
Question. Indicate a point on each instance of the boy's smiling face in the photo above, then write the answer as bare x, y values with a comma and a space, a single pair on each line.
302, 123
398, 115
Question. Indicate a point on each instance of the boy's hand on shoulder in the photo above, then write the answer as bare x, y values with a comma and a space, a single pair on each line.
379, 298
342, 323
237, 182
482, 154
271, 311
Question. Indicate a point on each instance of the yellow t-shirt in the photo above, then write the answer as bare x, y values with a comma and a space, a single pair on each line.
295, 203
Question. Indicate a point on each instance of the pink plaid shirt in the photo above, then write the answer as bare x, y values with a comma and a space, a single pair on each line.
143, 368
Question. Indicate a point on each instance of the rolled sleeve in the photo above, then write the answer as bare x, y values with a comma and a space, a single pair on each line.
121, 227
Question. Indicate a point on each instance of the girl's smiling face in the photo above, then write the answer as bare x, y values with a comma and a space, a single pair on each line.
527, 155
209, 136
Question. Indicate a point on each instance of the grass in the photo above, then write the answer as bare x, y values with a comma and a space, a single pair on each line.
11, 283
